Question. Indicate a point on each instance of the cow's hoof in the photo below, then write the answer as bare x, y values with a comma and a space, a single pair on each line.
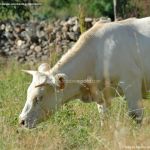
138, 118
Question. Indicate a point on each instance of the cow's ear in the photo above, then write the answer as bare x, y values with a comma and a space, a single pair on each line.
60, 80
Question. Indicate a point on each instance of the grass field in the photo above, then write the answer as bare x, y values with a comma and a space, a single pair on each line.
75, 126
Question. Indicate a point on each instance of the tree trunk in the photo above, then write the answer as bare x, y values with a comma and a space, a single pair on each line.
115, 11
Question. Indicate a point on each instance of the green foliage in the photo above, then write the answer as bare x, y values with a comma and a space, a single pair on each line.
11, 9
53, 9
66, 8
101, 8
129, 8
81, 19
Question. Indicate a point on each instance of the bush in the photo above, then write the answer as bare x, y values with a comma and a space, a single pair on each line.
11, 11
67, 8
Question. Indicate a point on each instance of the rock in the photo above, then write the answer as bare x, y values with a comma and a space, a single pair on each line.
8, 28
49, 29
72, 21
17, 28
19, 43
37, 48
71, 44
52, 36
57, 22
65, 42
104, 19
29, 52
32, 46
2, 27
88, 20
21, 60
44, 58
22, 54
65, 27
10, 53
40, 34
65, 36
33, 41
65, 48
44, 44
25, 36
57, 29
46, 52
39, 55
88, 23
76, 28
7, 50
24, 47
71, 36
8, 35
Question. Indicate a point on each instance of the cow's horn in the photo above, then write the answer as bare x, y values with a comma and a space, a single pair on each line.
31, 72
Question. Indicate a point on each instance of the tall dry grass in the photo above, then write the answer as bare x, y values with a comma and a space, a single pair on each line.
75, 126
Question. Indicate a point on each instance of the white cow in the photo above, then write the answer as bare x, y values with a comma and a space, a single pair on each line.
115, 53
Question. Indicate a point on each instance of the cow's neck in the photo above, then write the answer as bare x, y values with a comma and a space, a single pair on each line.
76, 65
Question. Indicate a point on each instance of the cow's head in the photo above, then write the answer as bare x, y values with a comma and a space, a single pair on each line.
41, 96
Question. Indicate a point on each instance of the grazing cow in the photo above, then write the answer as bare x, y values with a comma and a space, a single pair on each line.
116, 53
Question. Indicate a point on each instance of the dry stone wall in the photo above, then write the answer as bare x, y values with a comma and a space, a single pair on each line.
34, 41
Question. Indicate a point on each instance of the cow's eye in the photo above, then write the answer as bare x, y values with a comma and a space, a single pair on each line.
37, 99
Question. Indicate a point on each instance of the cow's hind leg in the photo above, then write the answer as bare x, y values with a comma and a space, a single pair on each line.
101, 109
132, 91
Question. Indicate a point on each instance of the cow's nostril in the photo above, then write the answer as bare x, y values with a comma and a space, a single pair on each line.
22, 122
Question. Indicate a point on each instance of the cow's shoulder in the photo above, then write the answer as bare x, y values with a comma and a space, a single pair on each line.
127, 21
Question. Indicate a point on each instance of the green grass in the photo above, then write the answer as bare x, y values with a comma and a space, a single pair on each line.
75, 126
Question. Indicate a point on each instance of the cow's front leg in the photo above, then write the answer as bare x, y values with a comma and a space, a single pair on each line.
102, 109
132, 91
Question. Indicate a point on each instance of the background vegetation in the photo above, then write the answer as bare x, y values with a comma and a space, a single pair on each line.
52, 9
76, 125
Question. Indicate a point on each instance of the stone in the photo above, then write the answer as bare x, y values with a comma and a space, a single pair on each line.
29, 52
2, 27
8, 28
24, 46
7, 50
32, 46
17, 28
46, 52
39, 55
21, 60
65, 28
104, 19
88, 20
71, 44
71, 36
44, 58
10, 53
24, 35
72, 20
76, 28
19, 43
33, 41
40, 34
37, 48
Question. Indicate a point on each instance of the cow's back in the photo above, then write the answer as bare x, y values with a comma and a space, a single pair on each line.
141, 26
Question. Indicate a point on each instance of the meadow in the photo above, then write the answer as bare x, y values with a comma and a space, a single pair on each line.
76, 126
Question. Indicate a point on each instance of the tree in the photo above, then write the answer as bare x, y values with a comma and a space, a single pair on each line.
15, 9
115, 12
66, 8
